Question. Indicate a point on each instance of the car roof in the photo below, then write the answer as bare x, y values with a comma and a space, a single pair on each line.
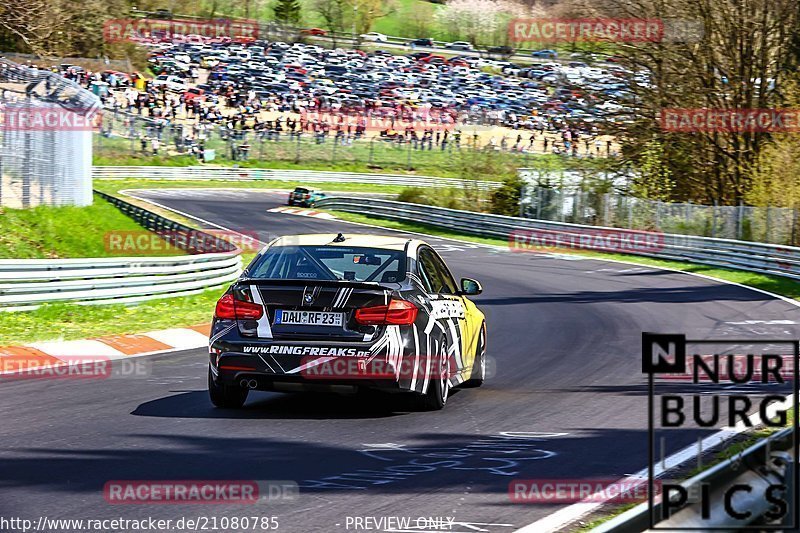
386, 242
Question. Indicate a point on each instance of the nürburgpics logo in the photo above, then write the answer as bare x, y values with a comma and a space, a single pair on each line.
742, 383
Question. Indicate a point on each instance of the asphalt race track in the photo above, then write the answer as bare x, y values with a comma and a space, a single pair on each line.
566, 400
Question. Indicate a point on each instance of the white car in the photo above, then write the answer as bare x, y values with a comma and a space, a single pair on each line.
172, 83
459, 45
374, 37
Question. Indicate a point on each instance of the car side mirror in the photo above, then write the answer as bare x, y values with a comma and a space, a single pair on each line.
470, 287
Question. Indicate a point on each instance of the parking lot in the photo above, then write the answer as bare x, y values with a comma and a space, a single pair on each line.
274, 88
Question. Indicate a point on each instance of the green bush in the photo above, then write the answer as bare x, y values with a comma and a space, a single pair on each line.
505, 199
413, 195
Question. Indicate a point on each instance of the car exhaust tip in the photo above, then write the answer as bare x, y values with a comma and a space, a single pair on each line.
248, 383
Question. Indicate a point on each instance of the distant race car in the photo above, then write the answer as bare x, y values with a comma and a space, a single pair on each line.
545, 54
459, 45
347, 313
374, 36
304, 197
314, 31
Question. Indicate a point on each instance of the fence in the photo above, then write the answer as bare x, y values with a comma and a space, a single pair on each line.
307, 176
44, 163
127, 133
527, 234
762, 224
26, 284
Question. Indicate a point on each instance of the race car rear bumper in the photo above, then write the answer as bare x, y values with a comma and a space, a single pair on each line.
311, 373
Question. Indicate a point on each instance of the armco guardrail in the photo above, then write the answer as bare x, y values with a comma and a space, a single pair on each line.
256, 174
769, 461
27, 283
524, 233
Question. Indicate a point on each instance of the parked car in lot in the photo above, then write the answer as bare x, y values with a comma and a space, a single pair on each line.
501, 50
422, 42
171, 83
459, 45
433, 58
304, 197
194, 93
545, 54
314, 31
374, 37
345, 314
301, 72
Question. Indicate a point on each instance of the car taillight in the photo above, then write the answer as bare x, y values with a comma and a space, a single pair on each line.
231, 309
398, 312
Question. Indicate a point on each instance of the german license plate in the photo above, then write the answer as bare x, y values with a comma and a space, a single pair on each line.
308, 318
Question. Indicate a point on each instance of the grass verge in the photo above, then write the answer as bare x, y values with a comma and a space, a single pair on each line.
62, 232
68, 321
59, 232
110, 186
480, 164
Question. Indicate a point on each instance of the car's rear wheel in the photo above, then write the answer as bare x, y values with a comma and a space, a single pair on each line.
478, 374
435, 397
225, 396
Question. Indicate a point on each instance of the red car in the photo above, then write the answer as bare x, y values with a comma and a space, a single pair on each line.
193, 93
313, 31
433, 58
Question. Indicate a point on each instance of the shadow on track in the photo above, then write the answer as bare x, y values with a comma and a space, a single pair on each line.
691, 294
278, 406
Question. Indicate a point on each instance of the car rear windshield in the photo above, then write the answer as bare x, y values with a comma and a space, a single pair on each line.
330, 263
